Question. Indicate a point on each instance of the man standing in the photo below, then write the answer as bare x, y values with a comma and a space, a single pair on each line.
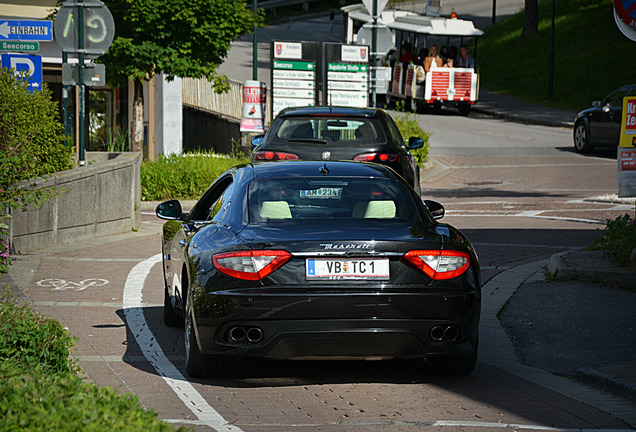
464, 60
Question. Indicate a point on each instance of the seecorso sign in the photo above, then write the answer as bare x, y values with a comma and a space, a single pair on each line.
625, 17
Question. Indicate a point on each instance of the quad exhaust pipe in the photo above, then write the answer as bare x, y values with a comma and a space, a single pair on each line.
444, 333
242, 334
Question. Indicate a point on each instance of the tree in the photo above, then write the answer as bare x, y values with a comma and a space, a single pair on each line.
179, 38
530, 18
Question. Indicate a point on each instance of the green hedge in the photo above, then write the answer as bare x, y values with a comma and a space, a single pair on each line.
183, 176
409, 127
39, 388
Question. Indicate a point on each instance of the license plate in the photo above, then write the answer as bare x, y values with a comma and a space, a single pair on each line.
323, 192
352, 269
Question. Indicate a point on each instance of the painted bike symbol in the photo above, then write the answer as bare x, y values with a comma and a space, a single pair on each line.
62, 285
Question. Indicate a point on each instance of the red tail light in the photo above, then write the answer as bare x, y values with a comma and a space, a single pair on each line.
377, 157
439, 264
274, 155
250, 265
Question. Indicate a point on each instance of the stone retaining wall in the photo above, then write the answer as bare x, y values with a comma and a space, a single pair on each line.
99, 199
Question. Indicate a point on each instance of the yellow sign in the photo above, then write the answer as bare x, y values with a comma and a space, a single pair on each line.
628, 126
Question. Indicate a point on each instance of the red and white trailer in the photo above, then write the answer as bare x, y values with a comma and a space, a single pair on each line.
457, 87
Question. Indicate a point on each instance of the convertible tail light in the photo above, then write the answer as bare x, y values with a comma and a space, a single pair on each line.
377, 157
250, 265
269, 155
439, 264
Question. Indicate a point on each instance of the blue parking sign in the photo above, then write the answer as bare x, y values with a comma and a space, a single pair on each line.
29, 65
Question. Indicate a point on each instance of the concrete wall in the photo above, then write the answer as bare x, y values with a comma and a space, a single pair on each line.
99, 199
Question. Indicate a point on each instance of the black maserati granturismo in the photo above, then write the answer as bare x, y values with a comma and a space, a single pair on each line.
318, 260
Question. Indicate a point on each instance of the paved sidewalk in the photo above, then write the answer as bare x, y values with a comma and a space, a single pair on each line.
507, 107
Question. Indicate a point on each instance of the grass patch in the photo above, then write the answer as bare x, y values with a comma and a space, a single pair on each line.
592, 57
183, 176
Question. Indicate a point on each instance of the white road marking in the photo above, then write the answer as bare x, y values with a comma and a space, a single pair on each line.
63, 285
521, 426
133, 309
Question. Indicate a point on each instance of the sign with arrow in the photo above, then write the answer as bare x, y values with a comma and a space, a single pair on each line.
294, 74
22, 30
29, 66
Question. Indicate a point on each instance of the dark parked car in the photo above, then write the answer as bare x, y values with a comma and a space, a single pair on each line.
601, 125
338, 133
310, 260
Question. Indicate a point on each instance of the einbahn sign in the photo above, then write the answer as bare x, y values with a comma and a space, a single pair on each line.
22, 30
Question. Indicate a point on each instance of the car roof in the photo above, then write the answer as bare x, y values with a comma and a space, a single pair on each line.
304, 168
335, 111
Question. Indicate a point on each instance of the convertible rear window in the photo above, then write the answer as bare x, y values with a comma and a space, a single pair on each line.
280, 200
329, 129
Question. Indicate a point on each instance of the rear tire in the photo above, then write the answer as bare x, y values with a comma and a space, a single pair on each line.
411, 105
464, 109
581, 139
170, 317
203, 366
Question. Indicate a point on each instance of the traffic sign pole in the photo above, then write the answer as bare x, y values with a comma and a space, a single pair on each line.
82, 89
374, 51
65, 122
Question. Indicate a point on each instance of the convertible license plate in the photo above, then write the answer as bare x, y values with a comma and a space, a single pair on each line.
339, 269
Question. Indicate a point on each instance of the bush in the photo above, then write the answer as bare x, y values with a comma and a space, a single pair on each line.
33, 339
31, 134
183, 176
39, 388
618, 240
31, 400
409, 127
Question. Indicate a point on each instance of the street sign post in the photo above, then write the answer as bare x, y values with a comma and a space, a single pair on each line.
94, 74
23, 30
294, 74
85, 28
19, 46
29, 65
346, 75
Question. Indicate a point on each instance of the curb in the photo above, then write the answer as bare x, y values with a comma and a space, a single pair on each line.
521, 119
606, 381
560, 270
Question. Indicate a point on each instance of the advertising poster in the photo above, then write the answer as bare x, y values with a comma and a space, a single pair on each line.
627, 150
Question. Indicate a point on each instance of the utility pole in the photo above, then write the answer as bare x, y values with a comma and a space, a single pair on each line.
551, 71
494, 10
255, 45
374, 49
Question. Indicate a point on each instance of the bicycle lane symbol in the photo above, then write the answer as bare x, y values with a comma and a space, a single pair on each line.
63, 285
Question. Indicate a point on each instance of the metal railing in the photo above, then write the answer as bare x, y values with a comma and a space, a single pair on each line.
198, 93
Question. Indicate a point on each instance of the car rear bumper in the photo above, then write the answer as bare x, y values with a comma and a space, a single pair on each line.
378, 326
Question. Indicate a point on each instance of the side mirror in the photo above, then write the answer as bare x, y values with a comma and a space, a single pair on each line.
596, 104
415, 143
169, 210
437, 210
257, 140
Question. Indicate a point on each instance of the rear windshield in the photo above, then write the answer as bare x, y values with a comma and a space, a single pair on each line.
329, 129
281, 200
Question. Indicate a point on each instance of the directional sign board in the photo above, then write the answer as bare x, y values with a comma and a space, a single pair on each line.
347, 75
22, 30
294, 74
29, 66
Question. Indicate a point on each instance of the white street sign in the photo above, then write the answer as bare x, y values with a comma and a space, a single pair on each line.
346, 76
369, 5
344, 85
293, 93
293, 74
297, 84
